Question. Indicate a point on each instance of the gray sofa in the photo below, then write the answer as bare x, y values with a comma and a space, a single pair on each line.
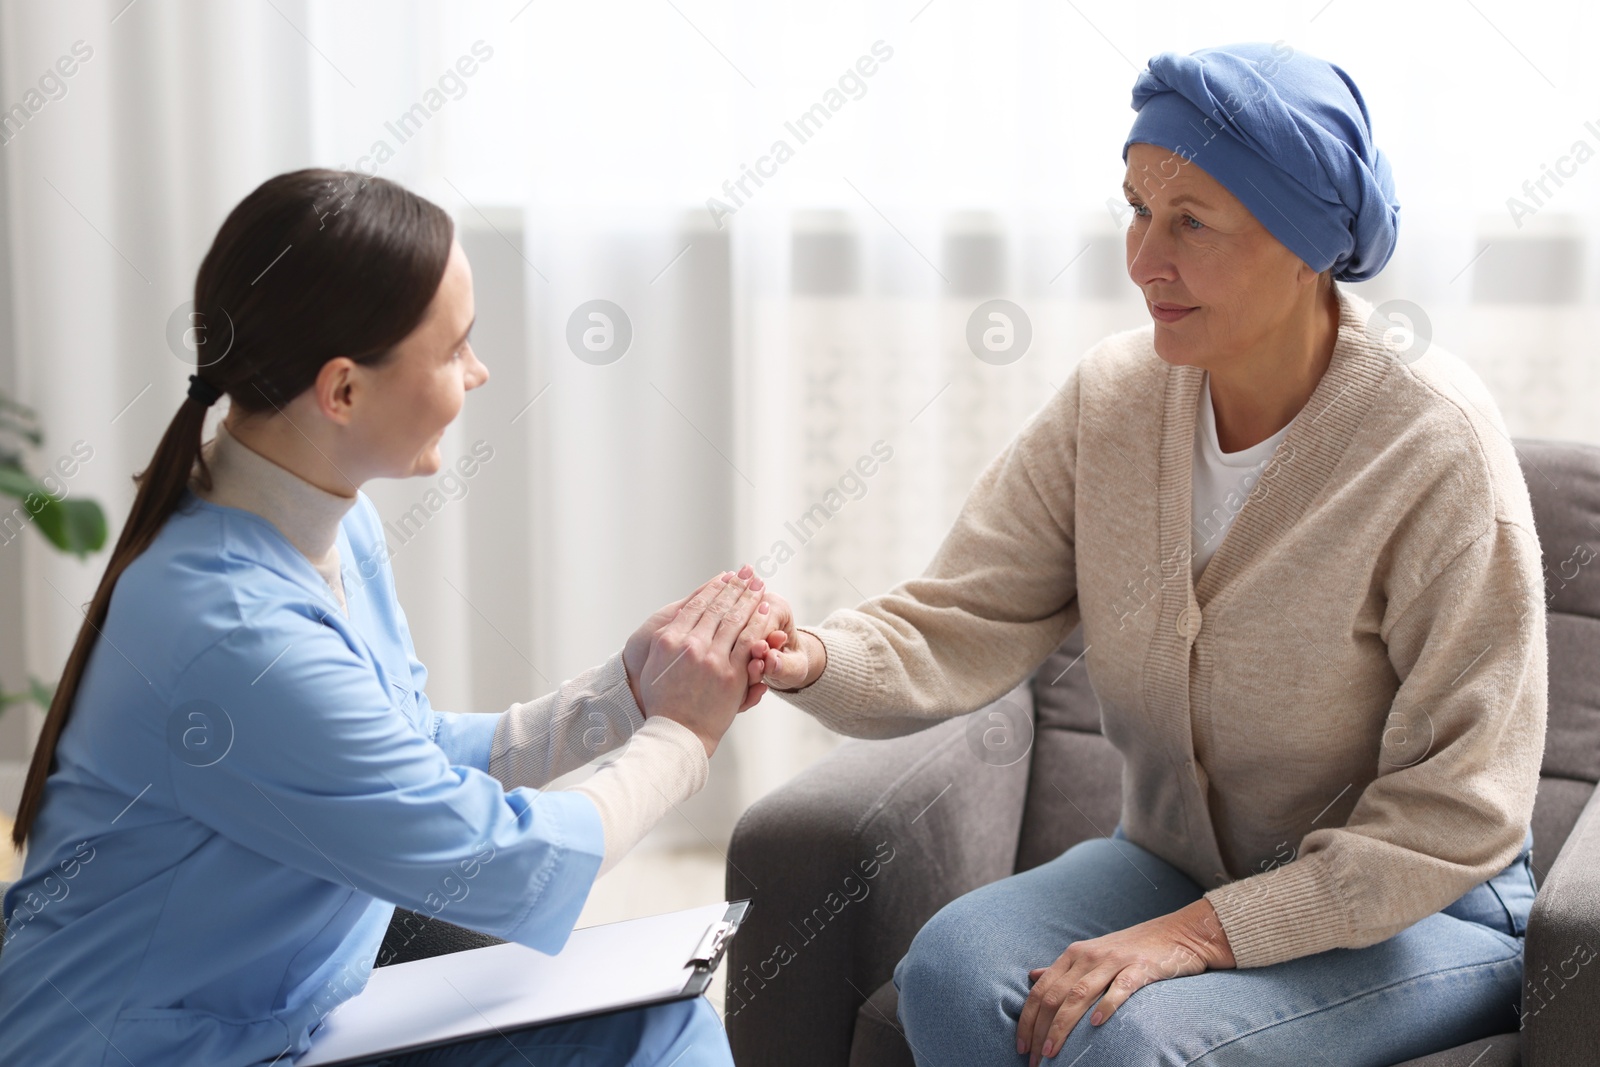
809, 974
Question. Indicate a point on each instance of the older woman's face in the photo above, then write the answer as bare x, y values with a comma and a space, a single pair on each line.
1192, 244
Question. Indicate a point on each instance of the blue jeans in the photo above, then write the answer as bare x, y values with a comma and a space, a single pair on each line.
1450, 978
684, 1033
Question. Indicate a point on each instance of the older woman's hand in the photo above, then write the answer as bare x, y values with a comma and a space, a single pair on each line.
1188, 941
793, 659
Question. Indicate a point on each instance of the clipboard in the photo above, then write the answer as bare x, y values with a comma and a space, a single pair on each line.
621, 966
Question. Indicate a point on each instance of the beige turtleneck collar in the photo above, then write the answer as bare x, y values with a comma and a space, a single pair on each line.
305, 514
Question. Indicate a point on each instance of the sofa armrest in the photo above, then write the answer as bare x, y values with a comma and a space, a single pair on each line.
846, 862
1561, 971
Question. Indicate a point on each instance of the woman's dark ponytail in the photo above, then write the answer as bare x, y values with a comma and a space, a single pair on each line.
311, 265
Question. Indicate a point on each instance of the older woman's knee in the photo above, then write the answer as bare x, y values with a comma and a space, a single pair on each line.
948, 969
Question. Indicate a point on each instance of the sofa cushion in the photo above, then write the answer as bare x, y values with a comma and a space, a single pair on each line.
1564, 485
1501, 1051
879, 1041
1063, 699
1075, 779
1074, 793
1572, 733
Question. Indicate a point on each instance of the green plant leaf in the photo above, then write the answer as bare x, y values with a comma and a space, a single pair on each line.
37, 692
16, 482
76, 526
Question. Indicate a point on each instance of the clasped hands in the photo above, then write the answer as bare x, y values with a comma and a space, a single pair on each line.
703, 659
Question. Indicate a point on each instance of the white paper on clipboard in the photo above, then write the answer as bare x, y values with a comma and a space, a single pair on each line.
509, 987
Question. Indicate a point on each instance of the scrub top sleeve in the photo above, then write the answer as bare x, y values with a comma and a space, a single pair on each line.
320, 771
467, 738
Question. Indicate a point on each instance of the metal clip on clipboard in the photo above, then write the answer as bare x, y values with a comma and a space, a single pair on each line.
708, 953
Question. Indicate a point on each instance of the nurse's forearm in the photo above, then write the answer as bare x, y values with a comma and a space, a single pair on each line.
539, 741
664, 765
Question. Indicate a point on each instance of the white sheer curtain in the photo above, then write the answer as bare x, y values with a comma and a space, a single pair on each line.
936, 155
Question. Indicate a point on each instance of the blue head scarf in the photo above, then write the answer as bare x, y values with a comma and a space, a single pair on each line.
1289, 136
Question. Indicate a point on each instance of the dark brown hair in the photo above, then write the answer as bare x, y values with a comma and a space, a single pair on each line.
312, 265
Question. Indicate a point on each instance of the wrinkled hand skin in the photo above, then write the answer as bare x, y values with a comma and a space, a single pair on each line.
1112, 968
793, 660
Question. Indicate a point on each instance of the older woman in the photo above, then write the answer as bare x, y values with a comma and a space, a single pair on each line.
1311, 593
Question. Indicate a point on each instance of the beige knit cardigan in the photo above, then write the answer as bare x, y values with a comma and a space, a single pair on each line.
1337, 731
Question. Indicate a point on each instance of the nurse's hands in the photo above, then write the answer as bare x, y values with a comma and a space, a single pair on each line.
637, 650
703, 664
1112, 968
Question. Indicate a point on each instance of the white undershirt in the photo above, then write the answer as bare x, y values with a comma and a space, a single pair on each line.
307, 515
1221, 481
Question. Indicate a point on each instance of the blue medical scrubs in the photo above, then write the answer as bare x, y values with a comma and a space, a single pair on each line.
249, 782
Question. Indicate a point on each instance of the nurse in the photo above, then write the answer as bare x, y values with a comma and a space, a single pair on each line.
241, 774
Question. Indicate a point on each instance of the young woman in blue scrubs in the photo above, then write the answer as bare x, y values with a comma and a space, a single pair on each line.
241, 774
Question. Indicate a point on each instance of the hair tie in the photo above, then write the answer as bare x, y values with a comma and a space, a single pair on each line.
203, 391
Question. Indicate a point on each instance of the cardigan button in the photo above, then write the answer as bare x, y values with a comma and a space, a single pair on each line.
1189, 623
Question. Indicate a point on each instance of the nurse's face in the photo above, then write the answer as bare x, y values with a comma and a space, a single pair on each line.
419, 390
1193, 244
